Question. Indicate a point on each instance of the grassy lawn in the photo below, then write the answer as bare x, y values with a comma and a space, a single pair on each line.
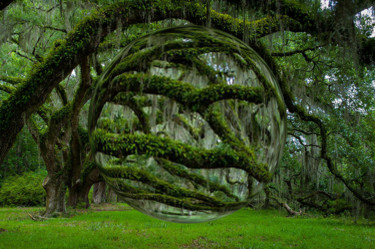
123, 227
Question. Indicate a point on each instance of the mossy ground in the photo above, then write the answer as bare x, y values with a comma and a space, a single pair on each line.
122, 227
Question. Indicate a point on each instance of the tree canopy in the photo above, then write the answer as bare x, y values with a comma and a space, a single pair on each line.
54, 53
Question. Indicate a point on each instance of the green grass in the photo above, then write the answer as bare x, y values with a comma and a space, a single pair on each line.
127, 228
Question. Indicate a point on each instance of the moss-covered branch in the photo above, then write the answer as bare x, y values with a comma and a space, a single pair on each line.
43, 110
180, 203
195, 179
128, 191
184, 93
83, 40
196, 133
159, 186
12, 80
7, 88
62, 59
124, 145
34, 129
215, 118
306, 116
62, 94
137, 107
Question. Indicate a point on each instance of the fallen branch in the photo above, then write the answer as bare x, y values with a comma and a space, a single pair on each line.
282, 203
37, 217
286, 206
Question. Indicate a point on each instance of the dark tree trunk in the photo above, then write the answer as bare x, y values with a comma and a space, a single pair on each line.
79, 194
80, 190
73, 198
266, 204
85, 195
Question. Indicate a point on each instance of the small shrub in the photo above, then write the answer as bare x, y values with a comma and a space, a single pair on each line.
23, 190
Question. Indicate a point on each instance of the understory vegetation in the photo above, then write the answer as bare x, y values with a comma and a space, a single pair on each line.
23, 190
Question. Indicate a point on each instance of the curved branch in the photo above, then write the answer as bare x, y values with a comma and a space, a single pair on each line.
124, 145
184, 93
62, 59
196, 179
137, 107
83, 41
62, 94
160, 186
305, 116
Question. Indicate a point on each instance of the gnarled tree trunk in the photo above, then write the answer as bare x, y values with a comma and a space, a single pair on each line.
55, 195
79, 191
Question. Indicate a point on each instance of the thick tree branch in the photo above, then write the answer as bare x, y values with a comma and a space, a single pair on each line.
12, 80
298, 51
89, 33
137, 108
84, 40
304, 115
184, 93
7, 89
151, 145
159, 186
77, 148
62, 94
33, 129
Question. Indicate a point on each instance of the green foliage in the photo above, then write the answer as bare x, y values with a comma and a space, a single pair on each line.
23, 190
324, 77
23, 156
131, 229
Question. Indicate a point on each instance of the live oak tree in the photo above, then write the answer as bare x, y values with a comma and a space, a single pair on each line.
63, 143
302, 44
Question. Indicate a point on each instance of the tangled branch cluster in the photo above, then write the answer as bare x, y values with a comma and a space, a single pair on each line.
187, 123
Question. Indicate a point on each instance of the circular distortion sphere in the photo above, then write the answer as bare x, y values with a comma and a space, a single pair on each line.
187, 124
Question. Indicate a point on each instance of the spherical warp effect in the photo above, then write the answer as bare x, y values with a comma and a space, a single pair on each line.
187, 123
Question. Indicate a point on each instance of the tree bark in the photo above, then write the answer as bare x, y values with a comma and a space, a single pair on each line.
73, 198
79, 191
98, 195
55, 196
83, 41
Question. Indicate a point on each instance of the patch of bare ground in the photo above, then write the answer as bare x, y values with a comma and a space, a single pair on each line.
110, 207
202, 243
